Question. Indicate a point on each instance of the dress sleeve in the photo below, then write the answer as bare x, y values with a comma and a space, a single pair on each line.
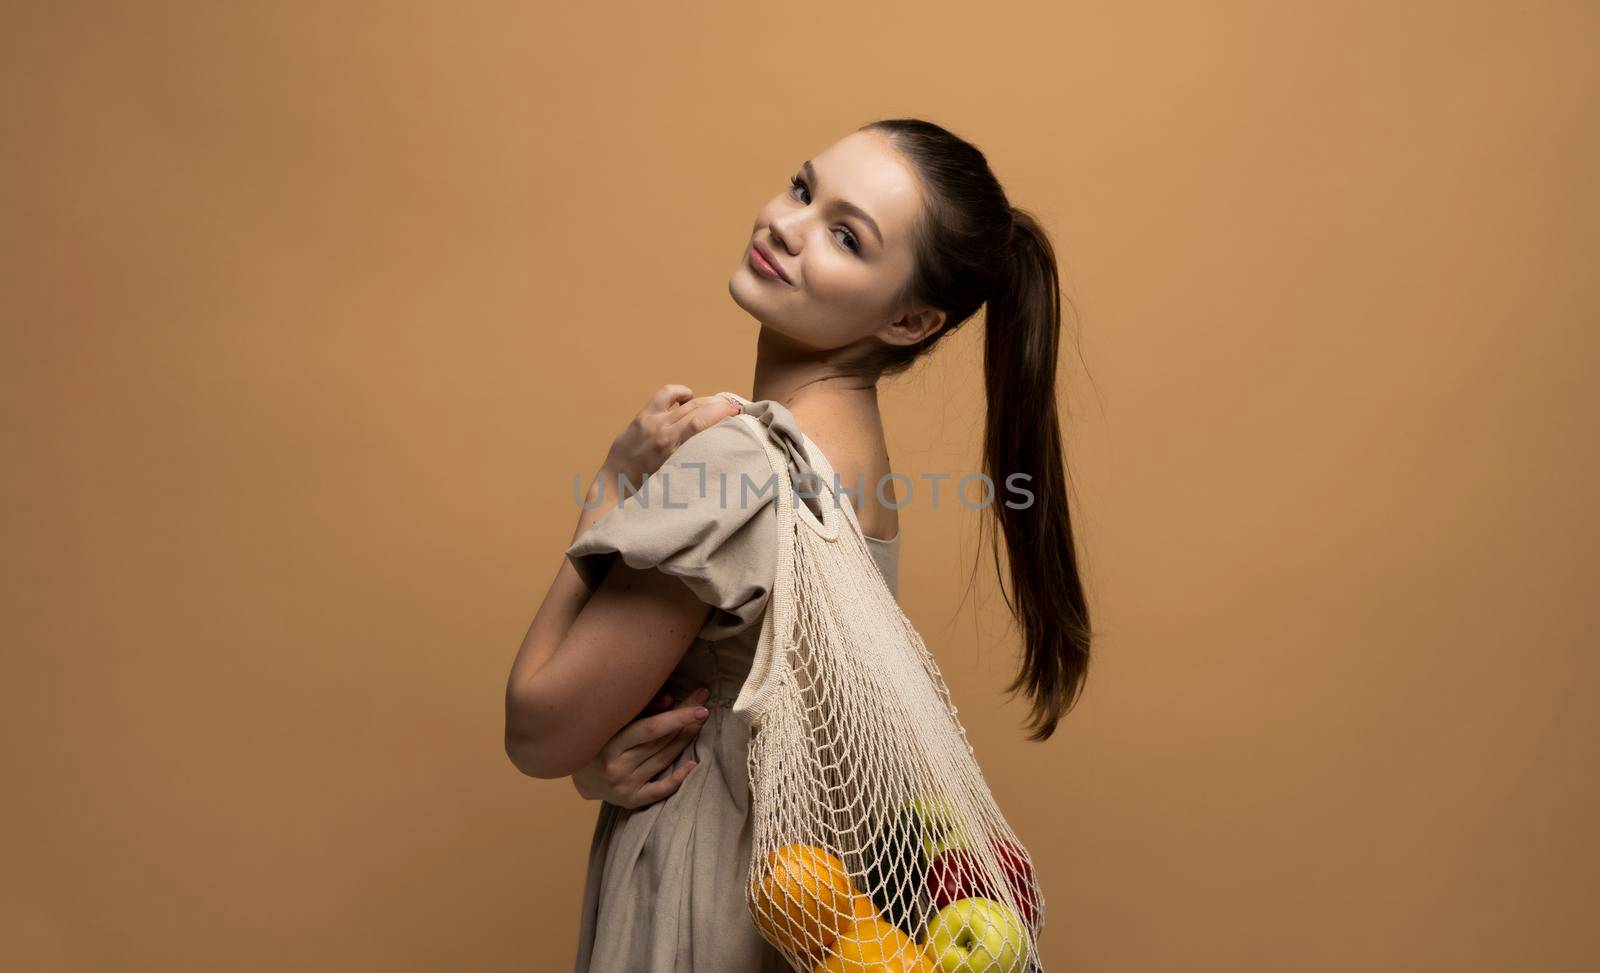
707, 516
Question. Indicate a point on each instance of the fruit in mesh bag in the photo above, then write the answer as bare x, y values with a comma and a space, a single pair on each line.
978, 935
905, 844
803, 896
941, 824
957, 874
1019, 873
897, 872
873, 945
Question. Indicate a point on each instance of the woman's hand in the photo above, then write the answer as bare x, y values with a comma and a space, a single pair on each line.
658, 430
622, 772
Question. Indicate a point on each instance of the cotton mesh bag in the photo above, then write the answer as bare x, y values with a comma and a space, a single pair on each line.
876, 844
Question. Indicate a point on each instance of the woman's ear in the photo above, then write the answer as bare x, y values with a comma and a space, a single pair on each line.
914, 326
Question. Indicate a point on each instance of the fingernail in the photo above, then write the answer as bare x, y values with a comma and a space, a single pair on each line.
701, 695
702, 713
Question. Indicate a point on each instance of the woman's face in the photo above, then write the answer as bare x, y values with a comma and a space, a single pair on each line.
840, 232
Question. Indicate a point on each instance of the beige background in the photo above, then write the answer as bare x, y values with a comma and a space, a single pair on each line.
312, 311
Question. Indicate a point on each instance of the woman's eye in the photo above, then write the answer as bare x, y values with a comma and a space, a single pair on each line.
794, 183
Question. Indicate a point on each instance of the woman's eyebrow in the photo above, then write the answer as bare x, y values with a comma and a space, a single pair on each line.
846, 205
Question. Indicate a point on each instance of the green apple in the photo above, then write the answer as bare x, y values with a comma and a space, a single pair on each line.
941, 824
978, 935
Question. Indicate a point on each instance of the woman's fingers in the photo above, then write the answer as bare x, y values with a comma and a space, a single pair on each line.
670, 748
644, 747
663, 397
647, 759
658, 429
652, 729
656, 741
658, 789
701, 414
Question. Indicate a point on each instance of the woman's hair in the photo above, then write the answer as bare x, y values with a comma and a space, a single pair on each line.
973, 248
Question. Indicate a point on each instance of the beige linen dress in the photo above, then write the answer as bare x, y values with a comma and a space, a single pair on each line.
665, 890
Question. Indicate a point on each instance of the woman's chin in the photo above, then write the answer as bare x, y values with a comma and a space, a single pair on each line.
748, 293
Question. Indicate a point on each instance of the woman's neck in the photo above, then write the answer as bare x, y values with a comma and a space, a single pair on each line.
838, 410
802, 381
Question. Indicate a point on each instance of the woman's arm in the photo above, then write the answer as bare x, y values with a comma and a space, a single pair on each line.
590, 663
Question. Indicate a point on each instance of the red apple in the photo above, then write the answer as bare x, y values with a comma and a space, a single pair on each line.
1019, 873
957, 874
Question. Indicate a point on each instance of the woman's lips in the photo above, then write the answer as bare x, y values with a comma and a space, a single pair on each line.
762, 267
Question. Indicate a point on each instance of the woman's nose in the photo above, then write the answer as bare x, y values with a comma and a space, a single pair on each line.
782, 232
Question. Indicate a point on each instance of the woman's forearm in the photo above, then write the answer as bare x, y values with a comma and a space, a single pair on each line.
559, 609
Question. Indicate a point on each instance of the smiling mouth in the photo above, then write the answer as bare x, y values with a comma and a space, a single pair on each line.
766, 267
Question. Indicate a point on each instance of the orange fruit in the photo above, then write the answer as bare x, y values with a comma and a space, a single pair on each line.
865, 944
803, 896
916, 958
875, 945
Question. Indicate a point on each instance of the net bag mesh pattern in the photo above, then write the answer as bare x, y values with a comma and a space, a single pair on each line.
876, 843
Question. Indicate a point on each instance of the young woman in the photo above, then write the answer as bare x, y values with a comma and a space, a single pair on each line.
880, 247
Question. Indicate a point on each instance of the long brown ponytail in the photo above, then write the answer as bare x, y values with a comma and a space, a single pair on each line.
974, 249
